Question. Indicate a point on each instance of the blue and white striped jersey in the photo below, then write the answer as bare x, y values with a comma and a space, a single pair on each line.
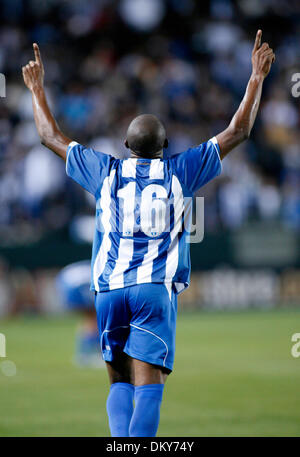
141, 205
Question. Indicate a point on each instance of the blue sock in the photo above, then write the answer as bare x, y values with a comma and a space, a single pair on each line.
145, 418
119, 408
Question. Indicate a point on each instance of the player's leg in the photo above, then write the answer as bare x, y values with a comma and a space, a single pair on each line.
113, 326
149, 383
146, 373
120, 369
151, 344
119, 403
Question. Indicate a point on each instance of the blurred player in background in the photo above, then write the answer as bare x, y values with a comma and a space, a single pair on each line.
73, 285
140, 256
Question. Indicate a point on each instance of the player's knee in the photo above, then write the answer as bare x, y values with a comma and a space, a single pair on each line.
119, 371
146, 373
120, 378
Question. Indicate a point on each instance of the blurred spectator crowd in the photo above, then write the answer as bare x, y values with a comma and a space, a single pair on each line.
188, 62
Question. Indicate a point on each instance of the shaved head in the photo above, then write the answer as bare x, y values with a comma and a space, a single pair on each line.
146, 136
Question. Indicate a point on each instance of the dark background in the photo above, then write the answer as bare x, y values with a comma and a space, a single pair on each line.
187, 62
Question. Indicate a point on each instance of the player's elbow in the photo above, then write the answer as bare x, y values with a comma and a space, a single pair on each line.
45, 140
246, 134
241, 133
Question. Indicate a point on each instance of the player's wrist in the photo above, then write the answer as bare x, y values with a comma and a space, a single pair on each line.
37, 88
257, 76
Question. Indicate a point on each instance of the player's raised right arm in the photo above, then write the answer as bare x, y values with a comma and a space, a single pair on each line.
242, 122
49, 132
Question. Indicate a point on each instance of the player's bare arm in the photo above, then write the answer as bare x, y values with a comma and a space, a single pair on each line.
49, 132
242, 122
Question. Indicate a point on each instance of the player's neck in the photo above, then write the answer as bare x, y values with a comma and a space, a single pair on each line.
157, 155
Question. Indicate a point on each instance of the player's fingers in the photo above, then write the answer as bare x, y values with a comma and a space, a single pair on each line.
32, 63
267, 51
268, 55
37, 53
25, 71
264, 47
271, 57
257, 40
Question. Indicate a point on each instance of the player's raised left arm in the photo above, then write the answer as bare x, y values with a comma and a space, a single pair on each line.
50, 134
242, 122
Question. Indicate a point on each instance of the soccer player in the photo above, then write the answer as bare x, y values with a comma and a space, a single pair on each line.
73, 286
140, 259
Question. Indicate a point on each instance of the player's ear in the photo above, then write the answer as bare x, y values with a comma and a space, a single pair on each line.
166, 143
126, 144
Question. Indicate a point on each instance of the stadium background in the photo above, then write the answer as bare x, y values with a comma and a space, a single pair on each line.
187, 62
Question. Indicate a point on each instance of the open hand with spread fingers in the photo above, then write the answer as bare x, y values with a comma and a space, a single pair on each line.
262, 57
33, 72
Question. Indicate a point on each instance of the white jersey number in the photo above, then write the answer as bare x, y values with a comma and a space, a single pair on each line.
151, 207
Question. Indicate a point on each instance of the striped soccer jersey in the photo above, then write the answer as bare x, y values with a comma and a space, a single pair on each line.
143, 213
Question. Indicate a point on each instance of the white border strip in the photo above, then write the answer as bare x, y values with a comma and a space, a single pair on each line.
125, 254
156, 169
70, 146
173, 249
215, 143
151, 333
129, 168
101, 257
108, 331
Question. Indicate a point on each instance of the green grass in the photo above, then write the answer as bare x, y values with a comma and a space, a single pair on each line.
233, 376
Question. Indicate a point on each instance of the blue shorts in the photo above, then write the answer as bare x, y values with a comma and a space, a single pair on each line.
139, 320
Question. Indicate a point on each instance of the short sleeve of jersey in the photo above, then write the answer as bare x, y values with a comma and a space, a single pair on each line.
197, 166
86, 166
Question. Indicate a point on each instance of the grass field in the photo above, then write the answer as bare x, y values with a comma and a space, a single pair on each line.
234, 376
